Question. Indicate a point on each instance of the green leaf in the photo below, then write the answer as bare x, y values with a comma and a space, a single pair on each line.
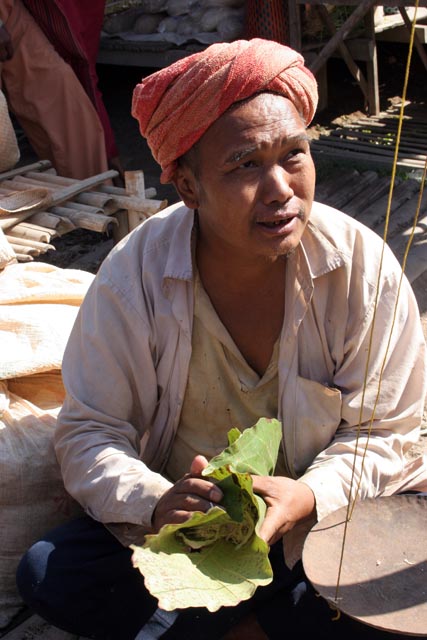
217, 558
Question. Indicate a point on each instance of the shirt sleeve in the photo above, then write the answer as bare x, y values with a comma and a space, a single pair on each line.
111, 398
382, 381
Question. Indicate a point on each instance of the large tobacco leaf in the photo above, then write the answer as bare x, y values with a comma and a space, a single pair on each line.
217, 559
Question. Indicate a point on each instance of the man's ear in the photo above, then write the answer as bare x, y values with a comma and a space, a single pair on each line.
187, 186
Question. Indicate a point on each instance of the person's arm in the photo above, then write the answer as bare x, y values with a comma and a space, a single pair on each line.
111, 401
6, 46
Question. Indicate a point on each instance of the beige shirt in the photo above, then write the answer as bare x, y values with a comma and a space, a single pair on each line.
222, 392
127, 362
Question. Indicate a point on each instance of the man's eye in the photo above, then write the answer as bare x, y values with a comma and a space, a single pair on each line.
248, 164
295, 152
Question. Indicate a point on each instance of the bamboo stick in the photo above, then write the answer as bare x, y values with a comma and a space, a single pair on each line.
92, 198
51, 221
41, 165
31, 235
150, 192
141, 205
59, 196
27, 230
100, 198
78, 206
41, 246
85, 220
19, 248
23, 257
20, 183
52, 178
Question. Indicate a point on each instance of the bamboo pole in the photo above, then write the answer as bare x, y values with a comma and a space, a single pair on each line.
21, 183
92, 198
23, 257
85, 220
59, 196
51, 221
110, 199
78, 206
140, 205
32, 231
19, 248
41, 165
150, 192
25, 242
24, 233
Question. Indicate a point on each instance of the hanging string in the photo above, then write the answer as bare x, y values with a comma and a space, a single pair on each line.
353, 499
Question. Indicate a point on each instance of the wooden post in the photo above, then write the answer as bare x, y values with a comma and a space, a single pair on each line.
135, 186
373, 98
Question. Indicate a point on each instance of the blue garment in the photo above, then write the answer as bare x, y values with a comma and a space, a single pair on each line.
81, 579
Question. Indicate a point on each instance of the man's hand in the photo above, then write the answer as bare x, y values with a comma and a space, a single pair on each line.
191, 493
288, 502
6, 47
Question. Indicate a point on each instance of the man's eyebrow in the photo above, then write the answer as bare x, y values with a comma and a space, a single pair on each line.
237, 156
242, 153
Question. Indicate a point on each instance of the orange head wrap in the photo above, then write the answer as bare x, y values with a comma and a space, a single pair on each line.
176, 105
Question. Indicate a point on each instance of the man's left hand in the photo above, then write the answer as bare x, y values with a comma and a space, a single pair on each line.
288, 502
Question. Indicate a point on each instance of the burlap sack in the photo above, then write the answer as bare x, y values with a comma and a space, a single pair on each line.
32, 494
38, 306
9, 150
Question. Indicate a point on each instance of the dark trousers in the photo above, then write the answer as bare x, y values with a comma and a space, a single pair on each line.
81, 579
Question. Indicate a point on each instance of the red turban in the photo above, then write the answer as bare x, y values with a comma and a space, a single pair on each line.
176, 105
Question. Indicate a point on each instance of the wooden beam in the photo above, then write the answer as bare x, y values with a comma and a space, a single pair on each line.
341, 34
343, 49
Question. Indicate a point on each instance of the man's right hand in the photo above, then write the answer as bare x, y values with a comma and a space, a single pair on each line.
190, 493
6, 47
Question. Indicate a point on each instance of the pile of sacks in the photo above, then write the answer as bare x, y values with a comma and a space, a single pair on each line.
179, 20
38, 306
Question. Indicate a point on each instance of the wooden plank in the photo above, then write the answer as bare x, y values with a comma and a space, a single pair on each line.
345, 195
338, 181
383, 140
365, 158
402, 217
376, 212
417, 260
368, 195
367, 146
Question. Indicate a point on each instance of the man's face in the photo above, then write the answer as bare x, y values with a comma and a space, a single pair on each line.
255, 179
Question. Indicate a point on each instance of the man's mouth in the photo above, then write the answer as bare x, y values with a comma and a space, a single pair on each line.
276, 223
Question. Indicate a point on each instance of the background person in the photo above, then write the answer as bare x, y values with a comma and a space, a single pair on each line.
49, 102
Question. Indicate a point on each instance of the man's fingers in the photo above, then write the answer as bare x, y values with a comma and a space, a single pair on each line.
198, 464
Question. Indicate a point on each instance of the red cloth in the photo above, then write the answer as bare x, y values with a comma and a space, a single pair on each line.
73, 27
176, 105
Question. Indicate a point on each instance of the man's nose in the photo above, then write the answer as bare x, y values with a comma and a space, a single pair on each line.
277, 185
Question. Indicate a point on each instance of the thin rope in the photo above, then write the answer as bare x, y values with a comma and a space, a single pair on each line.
352, 500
